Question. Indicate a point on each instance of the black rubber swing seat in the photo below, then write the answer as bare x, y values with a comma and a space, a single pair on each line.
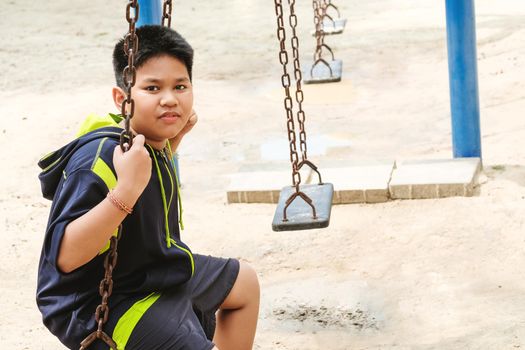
331, 27
323, 72
334, 27
299, 214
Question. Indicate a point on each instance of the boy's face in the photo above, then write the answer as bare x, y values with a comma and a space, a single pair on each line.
163, 97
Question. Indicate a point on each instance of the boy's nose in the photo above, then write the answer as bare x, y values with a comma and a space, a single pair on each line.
169, 98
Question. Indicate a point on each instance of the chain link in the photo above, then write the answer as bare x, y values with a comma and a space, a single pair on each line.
166, 13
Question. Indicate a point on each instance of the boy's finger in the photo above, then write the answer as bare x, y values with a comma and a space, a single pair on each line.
193, 119
190, 124
117, 151
138, 141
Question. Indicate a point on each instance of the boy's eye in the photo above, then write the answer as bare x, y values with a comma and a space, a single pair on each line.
152, 88
180, 87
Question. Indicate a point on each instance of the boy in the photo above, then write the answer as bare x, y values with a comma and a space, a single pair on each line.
161, 289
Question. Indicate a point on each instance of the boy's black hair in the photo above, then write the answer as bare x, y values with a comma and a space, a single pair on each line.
154, 41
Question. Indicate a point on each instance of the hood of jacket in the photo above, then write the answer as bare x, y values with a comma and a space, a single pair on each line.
54, 163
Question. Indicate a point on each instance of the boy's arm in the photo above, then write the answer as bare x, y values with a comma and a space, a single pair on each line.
174, 142
85, 236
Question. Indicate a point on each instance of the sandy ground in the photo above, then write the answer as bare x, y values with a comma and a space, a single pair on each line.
428, 274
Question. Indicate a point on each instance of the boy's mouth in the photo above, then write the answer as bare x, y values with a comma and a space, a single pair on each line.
169, 116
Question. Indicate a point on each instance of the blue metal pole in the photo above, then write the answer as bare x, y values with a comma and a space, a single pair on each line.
463, 75
150, 12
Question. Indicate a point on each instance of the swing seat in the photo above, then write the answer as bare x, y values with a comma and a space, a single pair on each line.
330, 27
299, 214
321, 73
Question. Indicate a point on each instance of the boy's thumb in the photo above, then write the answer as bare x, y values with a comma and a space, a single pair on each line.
138, 141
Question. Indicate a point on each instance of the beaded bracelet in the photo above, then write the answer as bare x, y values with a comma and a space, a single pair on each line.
118, 203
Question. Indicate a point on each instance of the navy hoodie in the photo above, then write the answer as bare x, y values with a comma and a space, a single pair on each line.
151, 257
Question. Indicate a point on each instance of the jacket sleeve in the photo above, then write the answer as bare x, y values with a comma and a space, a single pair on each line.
80, 191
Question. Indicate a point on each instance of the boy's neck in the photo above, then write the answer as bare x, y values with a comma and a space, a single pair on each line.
157, 145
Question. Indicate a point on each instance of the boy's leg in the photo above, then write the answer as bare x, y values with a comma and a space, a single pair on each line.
237, 316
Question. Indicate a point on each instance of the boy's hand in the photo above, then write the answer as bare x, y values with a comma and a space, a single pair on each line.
175, 141
133, 170
191, 123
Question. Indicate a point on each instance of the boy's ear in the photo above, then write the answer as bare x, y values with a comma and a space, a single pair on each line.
118, 97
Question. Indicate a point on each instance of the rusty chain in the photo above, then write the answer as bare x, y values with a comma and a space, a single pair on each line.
320, 8
129, 75
288, 103
325, 5
166, 13
299, 96
329, 4
105, 289
319, 33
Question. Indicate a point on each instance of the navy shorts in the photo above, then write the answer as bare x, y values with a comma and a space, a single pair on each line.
184, 318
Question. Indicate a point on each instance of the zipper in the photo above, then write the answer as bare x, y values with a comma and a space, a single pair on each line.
169, 240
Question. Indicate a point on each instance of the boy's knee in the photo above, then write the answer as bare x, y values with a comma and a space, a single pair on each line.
248, 278
245, 291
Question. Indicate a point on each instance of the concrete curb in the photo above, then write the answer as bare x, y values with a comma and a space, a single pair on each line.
373, 182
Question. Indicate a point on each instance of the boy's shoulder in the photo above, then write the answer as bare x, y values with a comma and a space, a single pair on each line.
96, 148
97, 138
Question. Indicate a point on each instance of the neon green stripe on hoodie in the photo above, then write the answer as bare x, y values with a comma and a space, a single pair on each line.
93, 122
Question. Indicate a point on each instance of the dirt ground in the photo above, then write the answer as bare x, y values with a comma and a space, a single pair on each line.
426, 274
